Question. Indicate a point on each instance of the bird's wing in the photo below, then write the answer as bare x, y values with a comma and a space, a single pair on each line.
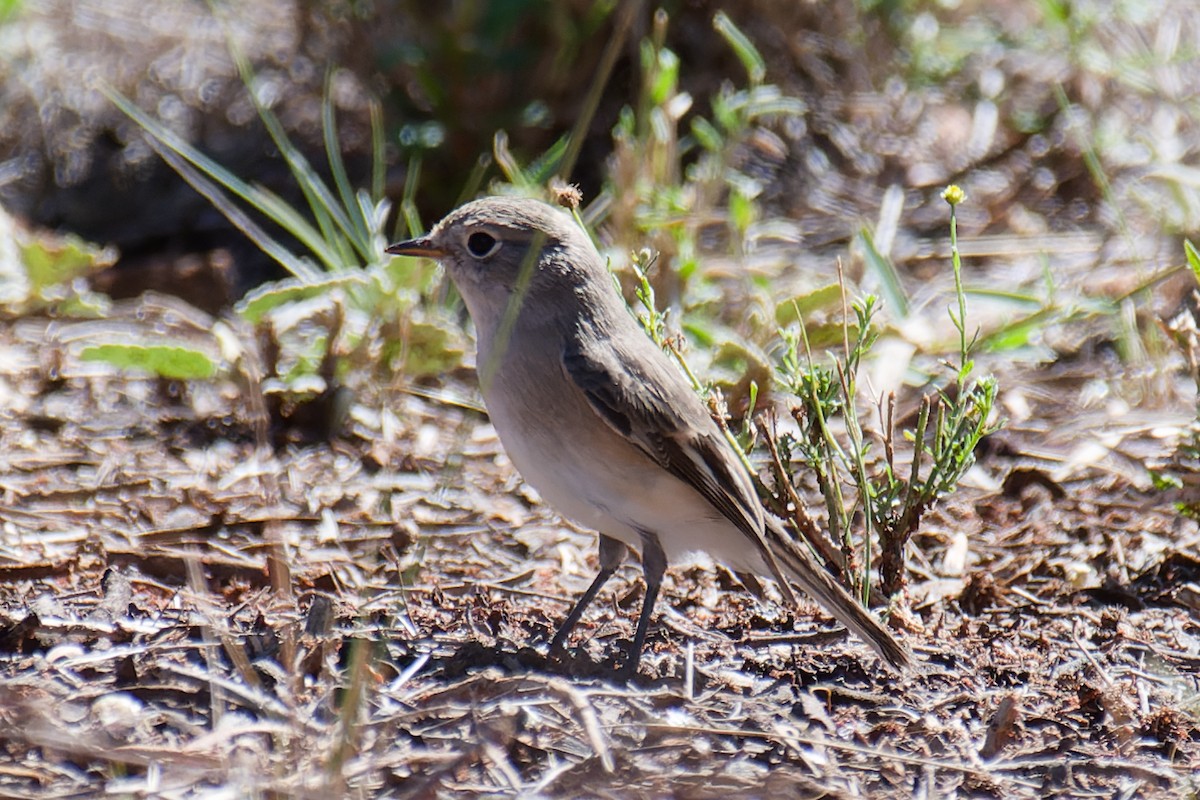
646, 400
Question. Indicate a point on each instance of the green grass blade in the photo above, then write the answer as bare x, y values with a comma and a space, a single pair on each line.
508, 163
742, 47
209, 189
335, 225
408, 201
1020, 332
545, 165
378, 145
193, 165
885, 271
374, 214
337, 165
1022, 299
1193, 258
326, 210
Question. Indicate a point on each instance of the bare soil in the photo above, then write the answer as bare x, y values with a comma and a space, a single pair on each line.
183, 613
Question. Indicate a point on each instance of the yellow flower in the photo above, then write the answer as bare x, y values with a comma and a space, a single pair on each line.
953, 194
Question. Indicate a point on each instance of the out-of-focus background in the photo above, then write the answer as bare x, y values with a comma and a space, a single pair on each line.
1056, 117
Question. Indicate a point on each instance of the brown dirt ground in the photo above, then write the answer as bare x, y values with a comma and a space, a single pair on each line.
179, 615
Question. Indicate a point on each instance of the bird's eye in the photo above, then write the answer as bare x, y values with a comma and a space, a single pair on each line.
482, 245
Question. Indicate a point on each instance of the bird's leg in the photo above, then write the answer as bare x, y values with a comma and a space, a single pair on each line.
612, 553
654, 564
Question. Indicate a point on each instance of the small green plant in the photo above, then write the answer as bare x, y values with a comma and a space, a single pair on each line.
834, 440
669, 185
831, 438
345, 305
674, 189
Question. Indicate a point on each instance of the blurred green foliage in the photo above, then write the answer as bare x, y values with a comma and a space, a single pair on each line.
9, 7
42, 272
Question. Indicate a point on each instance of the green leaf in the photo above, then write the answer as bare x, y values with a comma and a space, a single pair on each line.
93, 305
790, 310
378, 151
738, 355
51, 261
1165, 480
1020, 332
725, 113
166, 361
427, 350
745, 50
1018, 299
766, 101
700, 332
418, 276
257, 303
666, 77
1193, 258
509, 165
885, 271
626, 127
708, 136
9, 8
829, 334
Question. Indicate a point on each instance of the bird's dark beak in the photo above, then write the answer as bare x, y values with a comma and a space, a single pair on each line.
422, 247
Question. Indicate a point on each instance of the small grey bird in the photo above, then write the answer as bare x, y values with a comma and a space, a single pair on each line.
599, 420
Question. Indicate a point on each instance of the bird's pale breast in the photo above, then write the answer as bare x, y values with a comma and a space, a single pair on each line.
597, 478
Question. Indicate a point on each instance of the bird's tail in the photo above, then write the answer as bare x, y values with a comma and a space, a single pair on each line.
788, 560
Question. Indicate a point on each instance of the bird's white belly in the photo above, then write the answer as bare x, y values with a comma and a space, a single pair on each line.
601, 481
